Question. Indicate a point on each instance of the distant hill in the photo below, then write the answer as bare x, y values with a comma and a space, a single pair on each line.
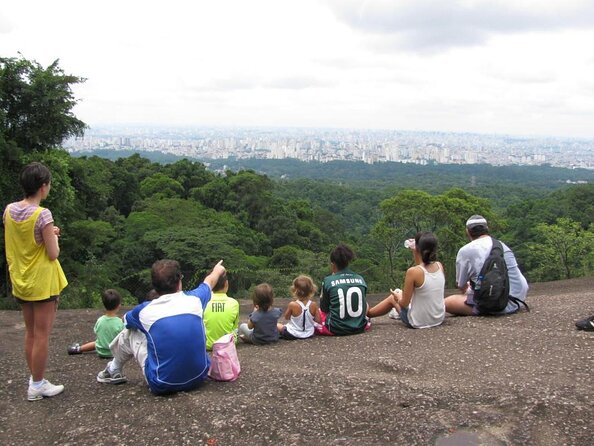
394, 172
157, 157
390, 174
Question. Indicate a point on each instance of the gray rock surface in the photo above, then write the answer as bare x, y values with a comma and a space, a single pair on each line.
526, 379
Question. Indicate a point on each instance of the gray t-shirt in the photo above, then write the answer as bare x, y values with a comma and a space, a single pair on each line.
265, 330
469, 262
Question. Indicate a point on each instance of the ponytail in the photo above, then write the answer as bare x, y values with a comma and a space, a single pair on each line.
426, 246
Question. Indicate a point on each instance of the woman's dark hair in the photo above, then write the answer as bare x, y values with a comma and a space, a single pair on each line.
111, 299
426, 245
263, 296
342, 256
165, 275
33, 176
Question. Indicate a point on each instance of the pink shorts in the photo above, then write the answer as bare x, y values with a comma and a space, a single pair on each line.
323, 330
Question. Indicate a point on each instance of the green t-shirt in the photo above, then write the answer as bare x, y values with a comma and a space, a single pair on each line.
345, 303
106, 329
221, 316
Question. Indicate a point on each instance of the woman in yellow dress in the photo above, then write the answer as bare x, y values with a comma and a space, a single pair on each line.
32, 250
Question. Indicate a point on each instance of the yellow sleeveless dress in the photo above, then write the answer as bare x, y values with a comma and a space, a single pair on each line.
33, 275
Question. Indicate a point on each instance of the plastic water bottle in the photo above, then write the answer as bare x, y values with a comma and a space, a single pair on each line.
410, 243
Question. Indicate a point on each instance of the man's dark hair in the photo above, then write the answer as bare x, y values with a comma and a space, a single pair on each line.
111, 299
426, 245
263, 296
477, 231
33, 176
342, 256
165, 275
221, 282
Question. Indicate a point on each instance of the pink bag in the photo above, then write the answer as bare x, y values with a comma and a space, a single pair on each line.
224, 364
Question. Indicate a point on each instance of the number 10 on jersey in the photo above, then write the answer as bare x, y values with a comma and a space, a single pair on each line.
346, 302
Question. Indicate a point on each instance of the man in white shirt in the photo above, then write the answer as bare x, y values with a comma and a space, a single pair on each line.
469, 262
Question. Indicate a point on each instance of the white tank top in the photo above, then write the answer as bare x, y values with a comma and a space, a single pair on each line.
427, 306
302, 326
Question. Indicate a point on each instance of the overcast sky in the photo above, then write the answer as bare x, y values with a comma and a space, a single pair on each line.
496, 66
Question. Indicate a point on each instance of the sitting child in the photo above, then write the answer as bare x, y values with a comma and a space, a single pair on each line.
343, 301
106, 328
151, 295
261, 327
302, 312
221, 314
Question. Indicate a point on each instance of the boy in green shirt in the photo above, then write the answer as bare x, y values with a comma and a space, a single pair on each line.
221, 315
106, 329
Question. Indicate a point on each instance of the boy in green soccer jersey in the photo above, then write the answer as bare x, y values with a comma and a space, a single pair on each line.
221, 315
106, 328
343, 301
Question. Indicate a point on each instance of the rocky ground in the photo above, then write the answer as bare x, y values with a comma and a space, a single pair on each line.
520, 380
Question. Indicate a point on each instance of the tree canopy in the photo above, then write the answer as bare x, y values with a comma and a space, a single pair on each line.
36, 104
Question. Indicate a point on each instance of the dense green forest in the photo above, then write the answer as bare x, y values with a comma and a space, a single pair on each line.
120, 215
498, 183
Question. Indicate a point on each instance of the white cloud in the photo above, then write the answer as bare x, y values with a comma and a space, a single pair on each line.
492, 66
6, 25
437, 24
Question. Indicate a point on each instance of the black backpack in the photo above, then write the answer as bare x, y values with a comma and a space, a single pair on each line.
491, 290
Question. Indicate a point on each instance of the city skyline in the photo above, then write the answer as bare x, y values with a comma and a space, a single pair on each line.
323, 145
521, 67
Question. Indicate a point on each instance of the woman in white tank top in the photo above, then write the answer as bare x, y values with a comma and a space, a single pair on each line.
421, 304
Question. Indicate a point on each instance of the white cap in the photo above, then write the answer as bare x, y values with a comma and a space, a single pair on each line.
476, 220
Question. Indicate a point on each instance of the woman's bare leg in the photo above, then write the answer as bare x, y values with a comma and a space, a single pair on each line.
383, 307
39, 321
28, 317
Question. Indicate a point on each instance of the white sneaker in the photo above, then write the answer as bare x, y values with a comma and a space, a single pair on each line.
47, 389
393, 314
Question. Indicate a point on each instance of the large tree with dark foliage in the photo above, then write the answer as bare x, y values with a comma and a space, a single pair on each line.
36, 104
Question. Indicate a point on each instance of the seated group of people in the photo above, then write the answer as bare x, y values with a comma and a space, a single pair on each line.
170, 335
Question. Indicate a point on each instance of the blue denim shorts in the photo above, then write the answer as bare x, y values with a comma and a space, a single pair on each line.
404, 317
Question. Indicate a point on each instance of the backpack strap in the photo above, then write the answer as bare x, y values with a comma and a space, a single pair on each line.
497, 245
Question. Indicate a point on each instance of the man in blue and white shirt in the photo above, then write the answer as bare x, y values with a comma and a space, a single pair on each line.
166, 335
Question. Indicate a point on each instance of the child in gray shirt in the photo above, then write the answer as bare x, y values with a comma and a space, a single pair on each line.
261, 327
